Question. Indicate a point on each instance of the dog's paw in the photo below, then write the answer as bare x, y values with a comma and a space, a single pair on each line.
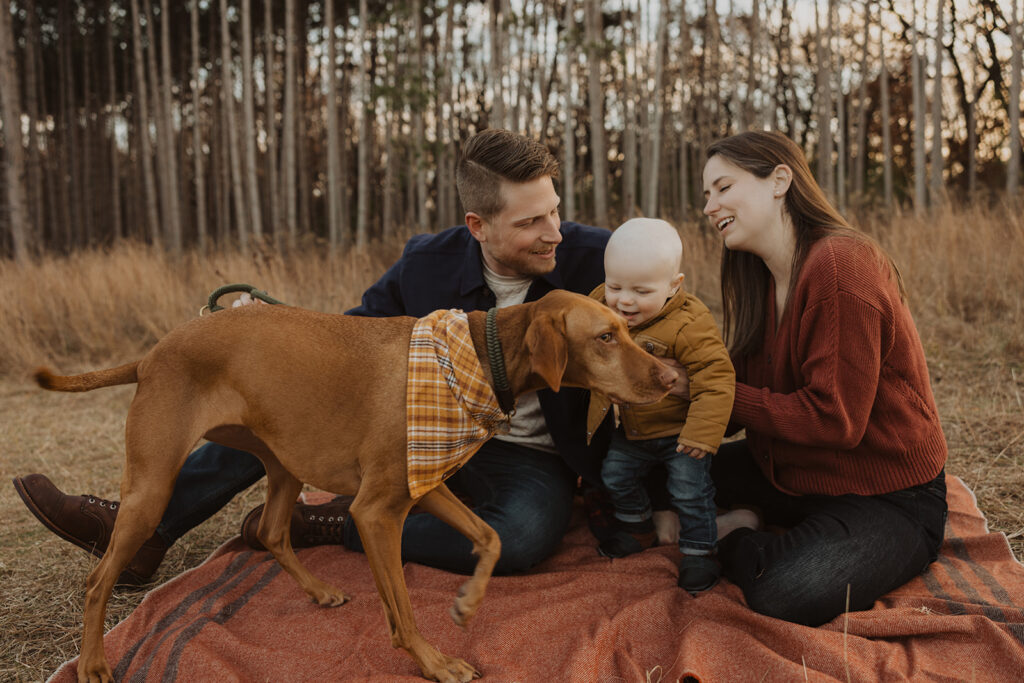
329, 597
454, 670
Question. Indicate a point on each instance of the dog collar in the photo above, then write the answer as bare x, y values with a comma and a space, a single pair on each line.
496, 358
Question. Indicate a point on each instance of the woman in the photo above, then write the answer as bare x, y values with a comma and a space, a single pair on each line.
843, 445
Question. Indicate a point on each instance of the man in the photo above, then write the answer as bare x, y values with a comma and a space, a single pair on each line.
521, 484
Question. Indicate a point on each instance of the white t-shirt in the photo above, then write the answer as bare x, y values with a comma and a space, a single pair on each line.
528, 425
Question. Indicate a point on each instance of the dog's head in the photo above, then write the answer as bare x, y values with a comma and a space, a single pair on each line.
575, 341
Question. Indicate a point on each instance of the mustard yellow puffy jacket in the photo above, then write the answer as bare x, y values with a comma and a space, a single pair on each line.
684, 329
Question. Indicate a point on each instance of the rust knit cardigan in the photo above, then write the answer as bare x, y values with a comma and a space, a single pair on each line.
838, 399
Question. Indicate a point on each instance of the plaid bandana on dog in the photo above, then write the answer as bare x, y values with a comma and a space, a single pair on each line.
451, 408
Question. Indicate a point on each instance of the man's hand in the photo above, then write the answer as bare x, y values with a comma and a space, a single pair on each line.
245, 300
693, 452
682, 386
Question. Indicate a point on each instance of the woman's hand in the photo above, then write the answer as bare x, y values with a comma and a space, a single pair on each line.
682, 386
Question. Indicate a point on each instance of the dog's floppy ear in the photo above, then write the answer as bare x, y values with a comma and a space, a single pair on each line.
549, 351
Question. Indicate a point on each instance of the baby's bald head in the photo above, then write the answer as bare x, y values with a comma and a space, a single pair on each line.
648, 241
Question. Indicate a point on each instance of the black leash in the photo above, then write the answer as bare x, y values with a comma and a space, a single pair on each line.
506, 401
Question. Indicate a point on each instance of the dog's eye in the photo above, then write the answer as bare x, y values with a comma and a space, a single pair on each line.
606, 337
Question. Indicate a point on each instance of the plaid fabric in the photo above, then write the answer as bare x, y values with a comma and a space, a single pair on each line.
451, 408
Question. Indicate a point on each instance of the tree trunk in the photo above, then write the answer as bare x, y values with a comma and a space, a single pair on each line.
937, 163
142, 129
653, 185
249, 115
14, 146
419, 141
270, 105
37, 211
598, 150
917, 76
333, 158
1013, 168
860, 162
363, 190
569, 131
883, 94
167, 117
288, 170
227, 86
197, 133
629, 124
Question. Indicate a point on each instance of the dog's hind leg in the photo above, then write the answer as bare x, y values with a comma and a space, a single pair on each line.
156, 448
379, 518
444, 505
274, 532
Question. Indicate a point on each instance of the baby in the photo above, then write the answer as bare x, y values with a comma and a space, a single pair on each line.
643, 285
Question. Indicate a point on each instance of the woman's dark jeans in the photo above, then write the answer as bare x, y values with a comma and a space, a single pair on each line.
874, 544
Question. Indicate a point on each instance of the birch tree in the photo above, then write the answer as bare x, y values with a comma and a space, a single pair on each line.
333, 188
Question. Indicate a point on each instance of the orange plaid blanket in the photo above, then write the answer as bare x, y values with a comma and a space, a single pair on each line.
451, 408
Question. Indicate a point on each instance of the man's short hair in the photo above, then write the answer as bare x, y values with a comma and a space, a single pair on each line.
494, 155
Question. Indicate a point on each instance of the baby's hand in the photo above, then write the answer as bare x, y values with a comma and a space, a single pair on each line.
693, 452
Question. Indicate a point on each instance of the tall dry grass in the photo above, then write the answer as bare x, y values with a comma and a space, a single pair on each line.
962, 268
109, 304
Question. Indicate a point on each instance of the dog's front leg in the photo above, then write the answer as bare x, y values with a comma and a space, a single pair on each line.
380, 527
444, 505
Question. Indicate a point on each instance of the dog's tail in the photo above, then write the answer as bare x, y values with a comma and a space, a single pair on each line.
125, 374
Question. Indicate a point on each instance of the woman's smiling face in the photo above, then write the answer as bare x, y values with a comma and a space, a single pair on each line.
740, 205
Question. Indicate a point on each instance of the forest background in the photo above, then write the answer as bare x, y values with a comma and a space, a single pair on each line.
154, 150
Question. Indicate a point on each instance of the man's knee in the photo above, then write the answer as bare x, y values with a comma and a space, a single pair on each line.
526, 542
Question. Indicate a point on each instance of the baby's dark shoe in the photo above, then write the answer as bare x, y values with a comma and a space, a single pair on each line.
627, 538
698, 573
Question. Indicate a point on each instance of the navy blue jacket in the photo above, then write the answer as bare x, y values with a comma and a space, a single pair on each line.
445, 270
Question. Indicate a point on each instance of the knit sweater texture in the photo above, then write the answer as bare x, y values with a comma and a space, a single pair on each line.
838, 400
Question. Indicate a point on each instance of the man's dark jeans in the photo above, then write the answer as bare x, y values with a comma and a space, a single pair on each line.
524, 494
874, 544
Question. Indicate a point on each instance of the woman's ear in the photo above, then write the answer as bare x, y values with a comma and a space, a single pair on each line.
782, 177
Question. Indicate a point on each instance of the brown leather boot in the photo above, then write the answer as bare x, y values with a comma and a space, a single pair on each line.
311, 525
86, 521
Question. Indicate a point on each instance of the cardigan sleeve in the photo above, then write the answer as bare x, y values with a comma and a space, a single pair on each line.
836, 348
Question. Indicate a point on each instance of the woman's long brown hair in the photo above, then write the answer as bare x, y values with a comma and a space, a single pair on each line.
745, 277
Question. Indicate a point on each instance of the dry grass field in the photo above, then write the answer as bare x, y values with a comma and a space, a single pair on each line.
963, 272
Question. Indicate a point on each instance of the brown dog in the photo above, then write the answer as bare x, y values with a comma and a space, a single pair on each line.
299, 389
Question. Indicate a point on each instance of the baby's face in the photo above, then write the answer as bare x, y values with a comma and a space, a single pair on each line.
636, 289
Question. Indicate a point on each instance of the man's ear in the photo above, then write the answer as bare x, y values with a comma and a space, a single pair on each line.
549, 350
476, 226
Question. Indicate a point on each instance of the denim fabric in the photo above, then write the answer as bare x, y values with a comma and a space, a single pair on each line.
525, 495
690, 488
873, 544
212, 476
